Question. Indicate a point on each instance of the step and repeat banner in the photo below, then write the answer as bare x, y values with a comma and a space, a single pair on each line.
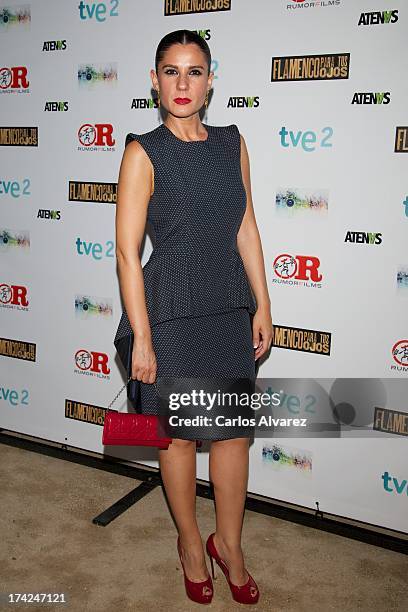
319, 92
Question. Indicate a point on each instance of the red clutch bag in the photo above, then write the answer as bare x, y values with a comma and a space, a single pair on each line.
132, 429
128, 428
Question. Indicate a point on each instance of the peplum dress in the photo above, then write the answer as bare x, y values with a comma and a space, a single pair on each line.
198, 297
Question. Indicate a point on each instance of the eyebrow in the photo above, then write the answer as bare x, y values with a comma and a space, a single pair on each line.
173, 66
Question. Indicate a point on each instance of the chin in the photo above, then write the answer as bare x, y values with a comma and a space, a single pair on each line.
182, 111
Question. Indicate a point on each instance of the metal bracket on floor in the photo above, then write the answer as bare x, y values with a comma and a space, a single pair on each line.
318, 513
123, 504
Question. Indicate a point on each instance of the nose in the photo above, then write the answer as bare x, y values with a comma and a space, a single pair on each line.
182, 83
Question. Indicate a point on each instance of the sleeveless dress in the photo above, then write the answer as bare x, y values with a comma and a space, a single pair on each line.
198, 297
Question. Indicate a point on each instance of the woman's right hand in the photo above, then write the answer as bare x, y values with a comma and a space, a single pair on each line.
144, 364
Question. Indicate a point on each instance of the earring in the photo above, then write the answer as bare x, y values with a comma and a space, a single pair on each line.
206, 100
158, 97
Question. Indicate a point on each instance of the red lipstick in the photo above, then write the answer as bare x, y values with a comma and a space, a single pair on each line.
182, 100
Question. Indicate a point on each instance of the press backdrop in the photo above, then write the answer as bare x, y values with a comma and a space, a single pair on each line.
319, 91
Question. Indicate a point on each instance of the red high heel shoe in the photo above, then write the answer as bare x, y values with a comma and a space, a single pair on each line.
247, 593
200, 592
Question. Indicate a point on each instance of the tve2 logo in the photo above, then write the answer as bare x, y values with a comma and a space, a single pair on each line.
95, 249
98, 10
307, 140
297, 270
14, 79
92, 363
13, 397
391, 484
13, 296
14, 188
405, 204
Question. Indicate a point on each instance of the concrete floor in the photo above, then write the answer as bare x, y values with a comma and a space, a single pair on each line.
49, 544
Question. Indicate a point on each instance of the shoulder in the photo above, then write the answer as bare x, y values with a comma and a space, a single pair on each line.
146, 138
229, 134
225, 129
144, 146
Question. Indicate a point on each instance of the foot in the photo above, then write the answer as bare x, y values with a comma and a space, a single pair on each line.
233, 558
192, 554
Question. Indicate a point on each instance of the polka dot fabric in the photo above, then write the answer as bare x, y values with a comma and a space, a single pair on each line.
198, 297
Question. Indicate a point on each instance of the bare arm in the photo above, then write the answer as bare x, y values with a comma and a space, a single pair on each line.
248, 239
134, 190
250, 249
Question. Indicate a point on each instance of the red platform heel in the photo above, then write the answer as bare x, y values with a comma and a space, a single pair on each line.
247, 593
200, 592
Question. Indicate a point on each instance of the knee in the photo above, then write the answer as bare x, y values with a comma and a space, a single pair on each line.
183, 444
232, 443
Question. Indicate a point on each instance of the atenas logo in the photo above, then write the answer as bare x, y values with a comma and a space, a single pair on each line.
371, 97
378, 17
94, 137
143, 103
297, 270
56, 107
363, 237
243, 102
14, 80
46, 213
54, 45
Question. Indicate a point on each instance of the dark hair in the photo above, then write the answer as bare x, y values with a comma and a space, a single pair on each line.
182, 37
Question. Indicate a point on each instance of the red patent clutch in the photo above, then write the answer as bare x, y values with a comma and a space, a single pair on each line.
132, 429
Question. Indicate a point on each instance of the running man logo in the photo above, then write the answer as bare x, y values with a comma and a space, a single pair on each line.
96, 135
94, 362
13, 295
14, 78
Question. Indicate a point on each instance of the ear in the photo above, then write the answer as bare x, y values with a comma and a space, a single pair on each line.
210, 80
155, 80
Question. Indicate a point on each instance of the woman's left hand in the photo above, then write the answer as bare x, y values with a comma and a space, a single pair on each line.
262, 331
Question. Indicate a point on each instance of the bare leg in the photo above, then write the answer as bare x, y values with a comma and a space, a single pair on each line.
178, 472
228, 466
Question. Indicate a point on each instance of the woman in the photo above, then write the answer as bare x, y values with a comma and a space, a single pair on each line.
191, 307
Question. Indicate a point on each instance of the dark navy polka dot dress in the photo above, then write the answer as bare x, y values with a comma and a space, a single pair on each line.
198, 296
